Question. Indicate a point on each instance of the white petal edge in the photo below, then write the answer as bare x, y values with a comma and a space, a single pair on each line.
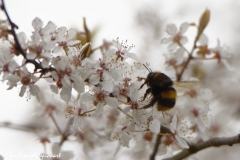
112, 102
155, 126
171, 29
184, 27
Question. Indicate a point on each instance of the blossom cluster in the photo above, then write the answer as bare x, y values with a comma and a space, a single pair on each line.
177, 40
108, 96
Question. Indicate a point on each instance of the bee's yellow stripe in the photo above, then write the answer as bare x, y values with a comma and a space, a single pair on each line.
163, 108
156, 74
170, 94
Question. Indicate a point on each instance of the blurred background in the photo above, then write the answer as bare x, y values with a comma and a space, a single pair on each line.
140, 22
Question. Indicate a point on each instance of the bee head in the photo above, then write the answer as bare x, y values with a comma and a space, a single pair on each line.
149, 77
149, 70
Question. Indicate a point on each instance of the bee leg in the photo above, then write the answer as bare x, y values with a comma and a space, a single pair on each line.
146, 81
147, 106
142, 85
153, 101
146, 93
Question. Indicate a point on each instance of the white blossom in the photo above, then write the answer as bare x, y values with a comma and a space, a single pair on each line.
176, 37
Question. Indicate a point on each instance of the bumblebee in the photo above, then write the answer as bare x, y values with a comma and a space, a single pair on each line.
161, 88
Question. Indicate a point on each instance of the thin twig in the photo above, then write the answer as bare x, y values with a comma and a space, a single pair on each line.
179, 76
66, 132
201, 58
19, 47
155, 149
163, 130
87, 112
124, 113
55, 123
213, 142
26, 128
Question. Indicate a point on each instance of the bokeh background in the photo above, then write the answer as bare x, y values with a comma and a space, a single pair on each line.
140, 22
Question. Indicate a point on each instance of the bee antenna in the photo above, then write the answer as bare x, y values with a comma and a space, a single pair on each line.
149, 70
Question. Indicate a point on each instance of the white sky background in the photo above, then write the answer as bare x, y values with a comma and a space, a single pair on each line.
115, 19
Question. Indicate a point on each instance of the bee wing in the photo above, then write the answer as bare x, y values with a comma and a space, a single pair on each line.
186, 85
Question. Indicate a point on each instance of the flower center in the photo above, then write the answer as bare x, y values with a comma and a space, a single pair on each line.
177, 38
26, 80
76, 61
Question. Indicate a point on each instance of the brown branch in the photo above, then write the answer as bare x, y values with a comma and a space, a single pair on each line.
179, 76
26, 128
13, 26
66, 132
203, 22
163, 129
124, 113
19, 47
55, 123
213, 142
155, 149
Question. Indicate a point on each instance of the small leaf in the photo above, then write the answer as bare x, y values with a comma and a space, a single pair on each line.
203, 22
192, 24
85, 50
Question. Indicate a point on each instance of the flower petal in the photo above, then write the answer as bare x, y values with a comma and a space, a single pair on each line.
126, 109
31, 55
133, 56
155, 126
86, 97
34, 89
183, 40
71, 33
166, 40
54, 88
22, 38
94, 79
65, 93
173, 124
116, 44
112, 102
37, 23
99, 109
107, 86
49, 28
183, 27
61, 31
67, 155
203, 39
171, 29
12, 65
79, 86
179, 53
172, 46
55, 148
23, 90
73, 42
125, 140
181, 142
